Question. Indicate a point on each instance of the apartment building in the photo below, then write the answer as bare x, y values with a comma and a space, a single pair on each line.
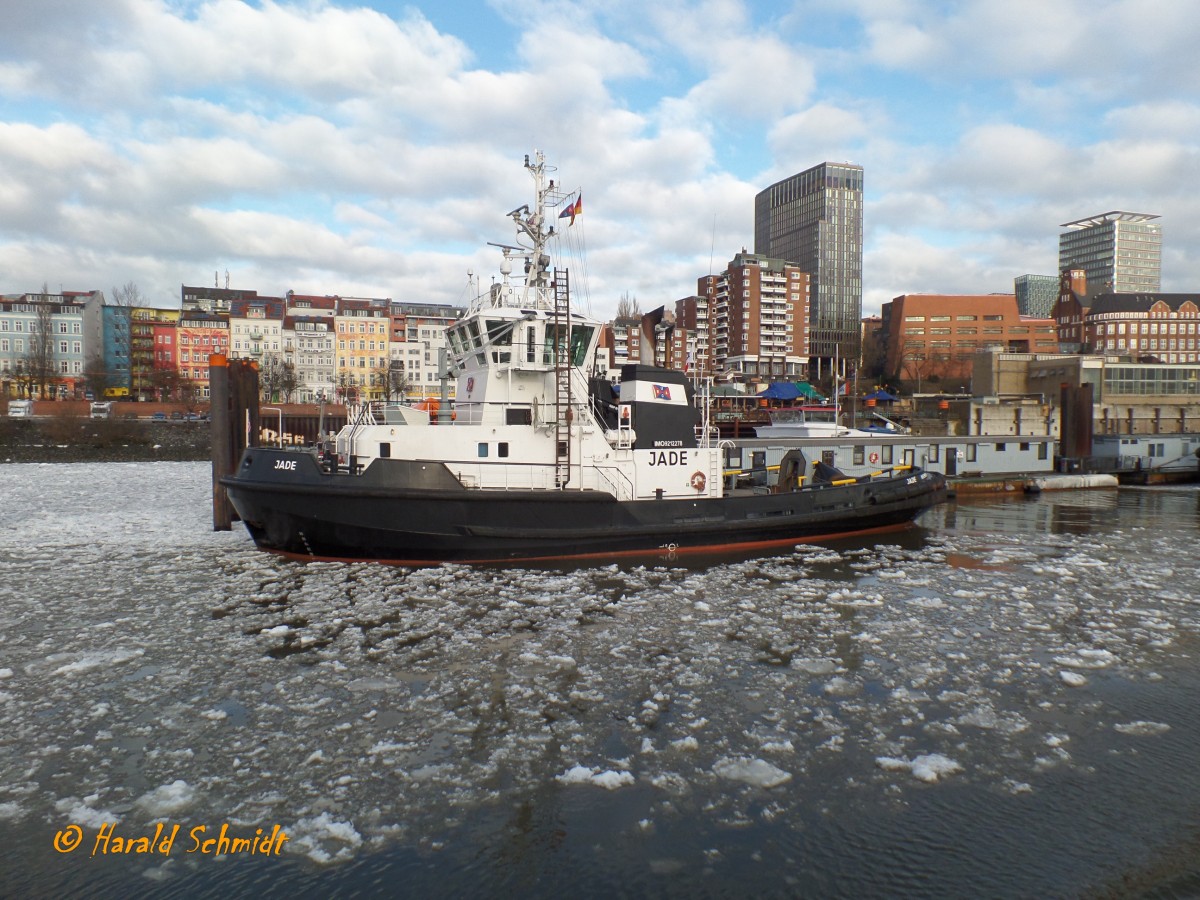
753, 320
200, 335
142, 346
417, 346
308, 344
361, 329
41, 343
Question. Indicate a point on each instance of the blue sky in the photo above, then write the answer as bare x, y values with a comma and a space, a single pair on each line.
373, 148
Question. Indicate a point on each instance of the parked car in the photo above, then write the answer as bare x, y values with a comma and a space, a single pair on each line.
177, 416
160, 416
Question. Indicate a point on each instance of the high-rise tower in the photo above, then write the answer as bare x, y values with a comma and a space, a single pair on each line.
1121, 252
815, 220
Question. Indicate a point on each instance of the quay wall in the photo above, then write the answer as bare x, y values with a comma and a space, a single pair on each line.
62, 431
74, 439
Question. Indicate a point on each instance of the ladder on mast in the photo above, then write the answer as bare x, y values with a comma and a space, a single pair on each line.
562, 379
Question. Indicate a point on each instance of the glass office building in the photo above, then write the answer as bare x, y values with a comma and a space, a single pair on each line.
1120, 252
1036, 295
815, 220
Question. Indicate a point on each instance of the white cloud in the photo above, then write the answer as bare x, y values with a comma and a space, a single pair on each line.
820, 133
1173, 119
334, 149
756, 78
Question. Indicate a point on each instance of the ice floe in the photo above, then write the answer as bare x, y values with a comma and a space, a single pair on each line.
593, 775
173, 672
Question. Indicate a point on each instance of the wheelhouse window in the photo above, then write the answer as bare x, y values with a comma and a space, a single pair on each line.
500, 334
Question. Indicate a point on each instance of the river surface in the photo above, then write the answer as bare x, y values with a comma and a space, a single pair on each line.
1000, 702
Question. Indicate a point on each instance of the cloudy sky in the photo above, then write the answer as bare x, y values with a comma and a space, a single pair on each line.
372, 148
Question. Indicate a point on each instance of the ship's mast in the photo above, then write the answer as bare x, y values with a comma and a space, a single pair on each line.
532, 236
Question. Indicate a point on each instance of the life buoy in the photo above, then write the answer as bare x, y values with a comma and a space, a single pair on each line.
874, 458
699, 481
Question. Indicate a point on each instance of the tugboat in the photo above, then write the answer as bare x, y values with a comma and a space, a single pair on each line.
545, 459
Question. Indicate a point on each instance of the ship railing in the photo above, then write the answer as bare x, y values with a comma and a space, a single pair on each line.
616, 481
530, 476
707, 436
359, 416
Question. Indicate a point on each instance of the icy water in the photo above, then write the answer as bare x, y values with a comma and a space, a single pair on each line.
1000, 702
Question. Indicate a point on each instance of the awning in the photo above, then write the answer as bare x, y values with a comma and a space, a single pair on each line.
781, 390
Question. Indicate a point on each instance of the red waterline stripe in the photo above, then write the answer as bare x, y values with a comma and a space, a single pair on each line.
613, 554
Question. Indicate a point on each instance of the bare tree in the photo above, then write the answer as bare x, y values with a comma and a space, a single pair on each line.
39, 357
289, 382
188, 392
95, 376
915, 367
270, 374
393, 377
24, 379
345, 387
277, 379
166, 383
627, 307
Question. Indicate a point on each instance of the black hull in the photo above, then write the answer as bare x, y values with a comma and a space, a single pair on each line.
416, 513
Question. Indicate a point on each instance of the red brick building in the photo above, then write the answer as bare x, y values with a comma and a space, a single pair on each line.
1163, 326
938, 334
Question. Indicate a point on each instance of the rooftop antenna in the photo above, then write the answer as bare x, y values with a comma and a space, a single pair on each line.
226, 279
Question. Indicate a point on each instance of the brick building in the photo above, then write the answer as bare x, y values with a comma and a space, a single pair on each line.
929, 335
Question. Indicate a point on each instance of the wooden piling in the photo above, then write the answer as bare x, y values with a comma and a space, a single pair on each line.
218, 385
233, 390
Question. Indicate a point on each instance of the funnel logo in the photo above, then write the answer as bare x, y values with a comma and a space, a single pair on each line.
662, 392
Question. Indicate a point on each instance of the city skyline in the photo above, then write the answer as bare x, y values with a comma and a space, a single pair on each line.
366, 148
